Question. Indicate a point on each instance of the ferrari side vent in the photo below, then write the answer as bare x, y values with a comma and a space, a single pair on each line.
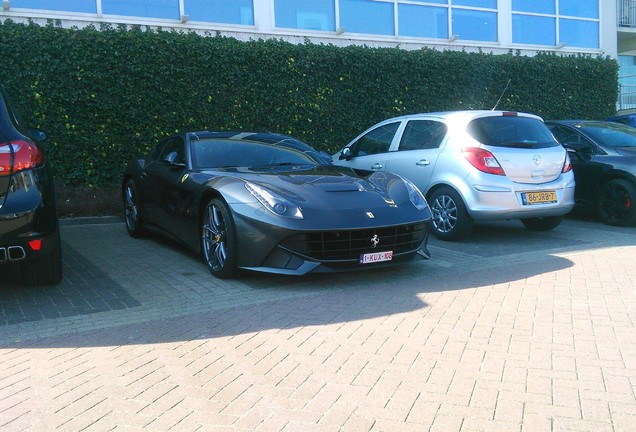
349, 245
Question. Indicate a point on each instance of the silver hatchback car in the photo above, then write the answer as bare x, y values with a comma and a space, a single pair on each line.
472, 166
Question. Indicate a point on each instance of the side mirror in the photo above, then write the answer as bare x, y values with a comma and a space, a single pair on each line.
577, 147
36, 134
345, 153
171, 159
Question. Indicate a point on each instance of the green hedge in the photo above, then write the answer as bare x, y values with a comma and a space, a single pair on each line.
106, 95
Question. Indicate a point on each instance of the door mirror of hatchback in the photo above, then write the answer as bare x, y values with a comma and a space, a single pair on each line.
36, 134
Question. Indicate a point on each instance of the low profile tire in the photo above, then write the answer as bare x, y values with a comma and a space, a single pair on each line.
451, 220
616, 201
132, 216
45, 269
542, 223
218, 240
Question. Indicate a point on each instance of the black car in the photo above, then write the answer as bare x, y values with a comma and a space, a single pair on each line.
268, 202
603, 156
29, 233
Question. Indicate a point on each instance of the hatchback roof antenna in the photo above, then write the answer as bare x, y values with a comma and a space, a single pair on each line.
502, 95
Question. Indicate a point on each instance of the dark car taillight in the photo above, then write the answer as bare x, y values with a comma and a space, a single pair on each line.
483, 160
24, 154
567, 165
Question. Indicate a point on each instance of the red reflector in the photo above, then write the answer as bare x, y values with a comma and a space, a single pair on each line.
25, 155
509, 114
35, 244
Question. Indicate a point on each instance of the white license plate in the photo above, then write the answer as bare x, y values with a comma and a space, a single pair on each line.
376, 257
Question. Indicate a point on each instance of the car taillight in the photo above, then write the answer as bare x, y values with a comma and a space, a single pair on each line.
483, 160
567, 165
25, 155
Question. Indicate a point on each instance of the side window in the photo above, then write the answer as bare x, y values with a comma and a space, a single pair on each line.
173, 150
376, 141
422, 134
566, 135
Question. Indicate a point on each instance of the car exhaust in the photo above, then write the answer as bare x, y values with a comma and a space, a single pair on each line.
12, 254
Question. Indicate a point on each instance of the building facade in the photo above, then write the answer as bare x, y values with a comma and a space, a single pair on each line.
595, 27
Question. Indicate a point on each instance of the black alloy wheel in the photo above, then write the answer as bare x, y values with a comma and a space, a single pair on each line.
542, 223
451, 220
218, 238
134, 225
616, 203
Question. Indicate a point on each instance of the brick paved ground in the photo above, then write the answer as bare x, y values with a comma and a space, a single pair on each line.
508, 331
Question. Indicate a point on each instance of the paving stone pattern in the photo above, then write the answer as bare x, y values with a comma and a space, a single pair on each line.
539, 336
84, 290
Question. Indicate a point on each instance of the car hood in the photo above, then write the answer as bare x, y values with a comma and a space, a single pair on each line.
626, 151
335, 189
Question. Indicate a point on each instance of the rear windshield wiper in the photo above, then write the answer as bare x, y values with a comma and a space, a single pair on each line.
518, 144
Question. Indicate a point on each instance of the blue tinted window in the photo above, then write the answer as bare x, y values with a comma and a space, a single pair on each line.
432, 1
220, 11
367, 16
85, 6
579, 8
576, 33
475, 25
536, 6
423, 21
533, 30
305, 14
168, 9
489, 4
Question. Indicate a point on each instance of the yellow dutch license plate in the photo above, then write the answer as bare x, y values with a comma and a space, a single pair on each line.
544, 197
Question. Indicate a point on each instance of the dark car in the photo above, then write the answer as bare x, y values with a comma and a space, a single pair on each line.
603, 156
268, 202
29, 234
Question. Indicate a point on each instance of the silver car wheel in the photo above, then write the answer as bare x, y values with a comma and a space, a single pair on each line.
450, 220
444, 213
214, 239
218, 240
132, 217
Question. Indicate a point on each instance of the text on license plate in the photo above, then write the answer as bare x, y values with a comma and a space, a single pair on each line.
376, 257
545, 197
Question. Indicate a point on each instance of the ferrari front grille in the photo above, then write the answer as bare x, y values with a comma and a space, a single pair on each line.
350, 244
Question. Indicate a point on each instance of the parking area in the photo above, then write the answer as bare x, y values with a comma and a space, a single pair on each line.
510, 330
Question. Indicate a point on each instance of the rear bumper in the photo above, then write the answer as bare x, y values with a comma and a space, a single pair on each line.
486, 203
28, 218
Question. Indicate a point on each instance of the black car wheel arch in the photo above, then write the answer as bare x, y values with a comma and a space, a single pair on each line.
616, 201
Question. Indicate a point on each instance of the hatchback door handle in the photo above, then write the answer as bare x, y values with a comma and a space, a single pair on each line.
376, 167
422, 162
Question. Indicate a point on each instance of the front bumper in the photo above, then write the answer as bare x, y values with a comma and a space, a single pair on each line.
297, 253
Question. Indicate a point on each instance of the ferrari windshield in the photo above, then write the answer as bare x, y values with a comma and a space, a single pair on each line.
611, 134
224, 153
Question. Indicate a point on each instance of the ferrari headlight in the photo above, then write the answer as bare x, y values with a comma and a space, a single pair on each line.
274, 202
415, 195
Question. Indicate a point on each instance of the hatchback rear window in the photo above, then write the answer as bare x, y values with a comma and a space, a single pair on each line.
512, 132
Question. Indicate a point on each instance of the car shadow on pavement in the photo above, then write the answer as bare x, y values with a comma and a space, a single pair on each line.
263, 302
